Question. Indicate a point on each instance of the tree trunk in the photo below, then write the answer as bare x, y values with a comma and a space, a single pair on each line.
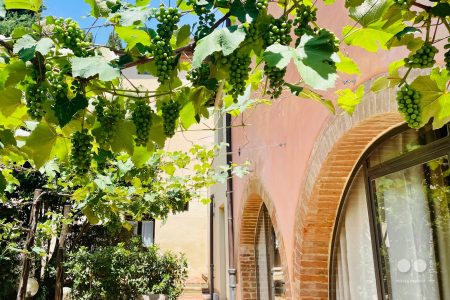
26, 259
60, 257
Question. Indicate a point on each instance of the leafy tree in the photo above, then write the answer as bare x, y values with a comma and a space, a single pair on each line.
114, 41
16, 20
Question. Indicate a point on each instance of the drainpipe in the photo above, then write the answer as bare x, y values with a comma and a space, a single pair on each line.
231, 261
211, 248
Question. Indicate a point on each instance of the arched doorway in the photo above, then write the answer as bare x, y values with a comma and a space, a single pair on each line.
269, 272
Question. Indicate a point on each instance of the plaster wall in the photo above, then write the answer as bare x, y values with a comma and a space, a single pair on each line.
279, 139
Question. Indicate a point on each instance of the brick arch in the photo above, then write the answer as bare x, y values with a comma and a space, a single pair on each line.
316, 212
254, 197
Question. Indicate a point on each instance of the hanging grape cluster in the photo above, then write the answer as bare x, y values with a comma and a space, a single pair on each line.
35, 96
69, 35
305, 15
408, 101
447, 55
423, 58
278, 31
206, 20
262, 4
56, 79
239, 65
200, 75
170, 113
252, 33
81, 154
142, 119
109, 114
275, 78
161, 48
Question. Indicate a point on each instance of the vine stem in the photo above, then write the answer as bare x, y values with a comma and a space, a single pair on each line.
403, 80
423, 6
446, 24
427, 38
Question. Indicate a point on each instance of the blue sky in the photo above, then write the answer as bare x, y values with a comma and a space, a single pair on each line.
79, 11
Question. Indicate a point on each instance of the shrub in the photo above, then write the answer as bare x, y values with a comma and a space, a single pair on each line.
125, 271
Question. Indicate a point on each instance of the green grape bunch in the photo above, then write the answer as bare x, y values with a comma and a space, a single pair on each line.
69, 35
109, 114
81, 153
200, 75
168, 19
408, 101
161, 48
142, 120
239, 65
57, 82
164, 59
423, 58
206, 20
305, 15
262, 5
35, 96
252, 33
278, 31
447, 55
170, 113
275, 78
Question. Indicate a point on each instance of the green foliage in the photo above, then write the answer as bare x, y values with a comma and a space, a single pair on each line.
13, 20
125, 271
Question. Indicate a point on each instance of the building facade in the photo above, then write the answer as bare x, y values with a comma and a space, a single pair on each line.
335, 206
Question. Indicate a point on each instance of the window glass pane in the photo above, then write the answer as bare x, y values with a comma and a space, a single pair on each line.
413, 221
354, 266
404, 142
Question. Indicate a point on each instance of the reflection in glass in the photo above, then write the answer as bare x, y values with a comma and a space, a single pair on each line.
407, 141
355, 274
413, 221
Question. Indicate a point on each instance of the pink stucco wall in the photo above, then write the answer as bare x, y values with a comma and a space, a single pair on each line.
278, 139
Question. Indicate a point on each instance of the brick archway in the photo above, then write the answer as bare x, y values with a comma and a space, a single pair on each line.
254, 197
317, 210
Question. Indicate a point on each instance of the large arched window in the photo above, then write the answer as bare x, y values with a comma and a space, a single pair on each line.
392, 233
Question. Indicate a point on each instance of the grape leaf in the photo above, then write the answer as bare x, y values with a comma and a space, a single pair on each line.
65, 109
313, 59
3, 184
45, 144
134, 15
225, 40
122, 140
441, 9
368, 12
434, 101
278, 55
10, 101
347, 65
309, 94
348, 100
245, 11
142, 2
27, 45
133, 36
183, 36
86, 67
157, 131
34, 5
